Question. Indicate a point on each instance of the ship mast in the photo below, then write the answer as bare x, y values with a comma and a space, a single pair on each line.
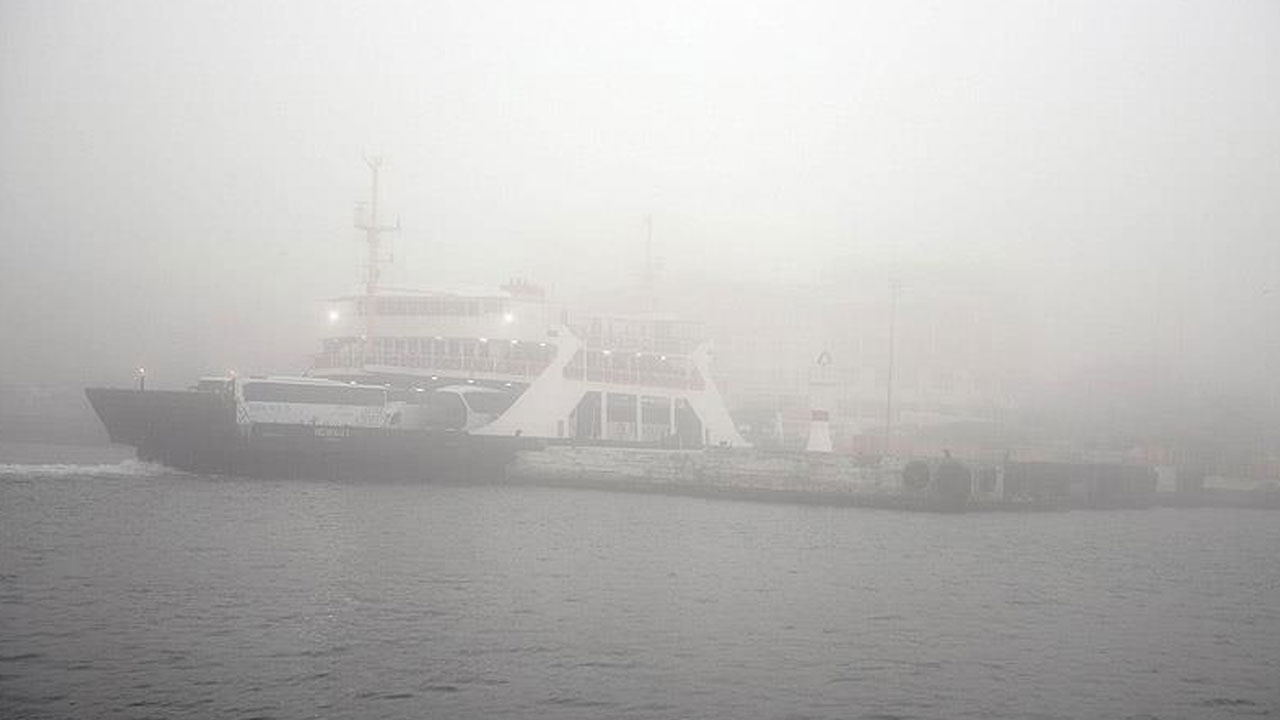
373, 239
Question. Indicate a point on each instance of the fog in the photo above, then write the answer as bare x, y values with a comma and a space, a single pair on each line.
906, 359
177, 179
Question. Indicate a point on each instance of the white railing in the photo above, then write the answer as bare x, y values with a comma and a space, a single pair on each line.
441, 363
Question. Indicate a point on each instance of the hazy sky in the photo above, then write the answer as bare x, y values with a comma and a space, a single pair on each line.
177, 178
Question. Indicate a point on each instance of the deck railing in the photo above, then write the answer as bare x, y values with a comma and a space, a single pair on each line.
441, 363
689, 379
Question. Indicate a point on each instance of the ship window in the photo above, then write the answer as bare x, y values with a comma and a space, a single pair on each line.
490, 403
443, 410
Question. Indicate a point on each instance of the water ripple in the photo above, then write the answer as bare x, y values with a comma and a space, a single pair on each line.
161, 594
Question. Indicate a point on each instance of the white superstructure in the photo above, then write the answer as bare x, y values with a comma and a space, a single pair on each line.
548, 373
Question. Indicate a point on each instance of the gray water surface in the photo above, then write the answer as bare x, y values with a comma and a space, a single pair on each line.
130, 591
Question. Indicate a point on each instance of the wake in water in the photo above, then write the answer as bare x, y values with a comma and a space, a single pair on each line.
122, 469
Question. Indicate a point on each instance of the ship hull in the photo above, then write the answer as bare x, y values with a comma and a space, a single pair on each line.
197, 432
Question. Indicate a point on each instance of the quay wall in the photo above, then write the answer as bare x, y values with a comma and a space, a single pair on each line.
727, 472
829, 478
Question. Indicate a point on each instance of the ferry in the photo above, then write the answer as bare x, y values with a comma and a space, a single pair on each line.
453, 385
437, 384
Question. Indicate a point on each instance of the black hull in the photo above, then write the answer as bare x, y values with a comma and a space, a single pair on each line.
197, 432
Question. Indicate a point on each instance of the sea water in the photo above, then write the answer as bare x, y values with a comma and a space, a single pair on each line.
128, 590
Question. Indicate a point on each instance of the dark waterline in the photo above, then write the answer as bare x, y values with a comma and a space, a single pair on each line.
130, 591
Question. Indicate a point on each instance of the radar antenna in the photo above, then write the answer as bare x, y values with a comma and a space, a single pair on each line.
373, 266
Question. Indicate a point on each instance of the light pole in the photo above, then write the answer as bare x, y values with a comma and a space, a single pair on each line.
895, 286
